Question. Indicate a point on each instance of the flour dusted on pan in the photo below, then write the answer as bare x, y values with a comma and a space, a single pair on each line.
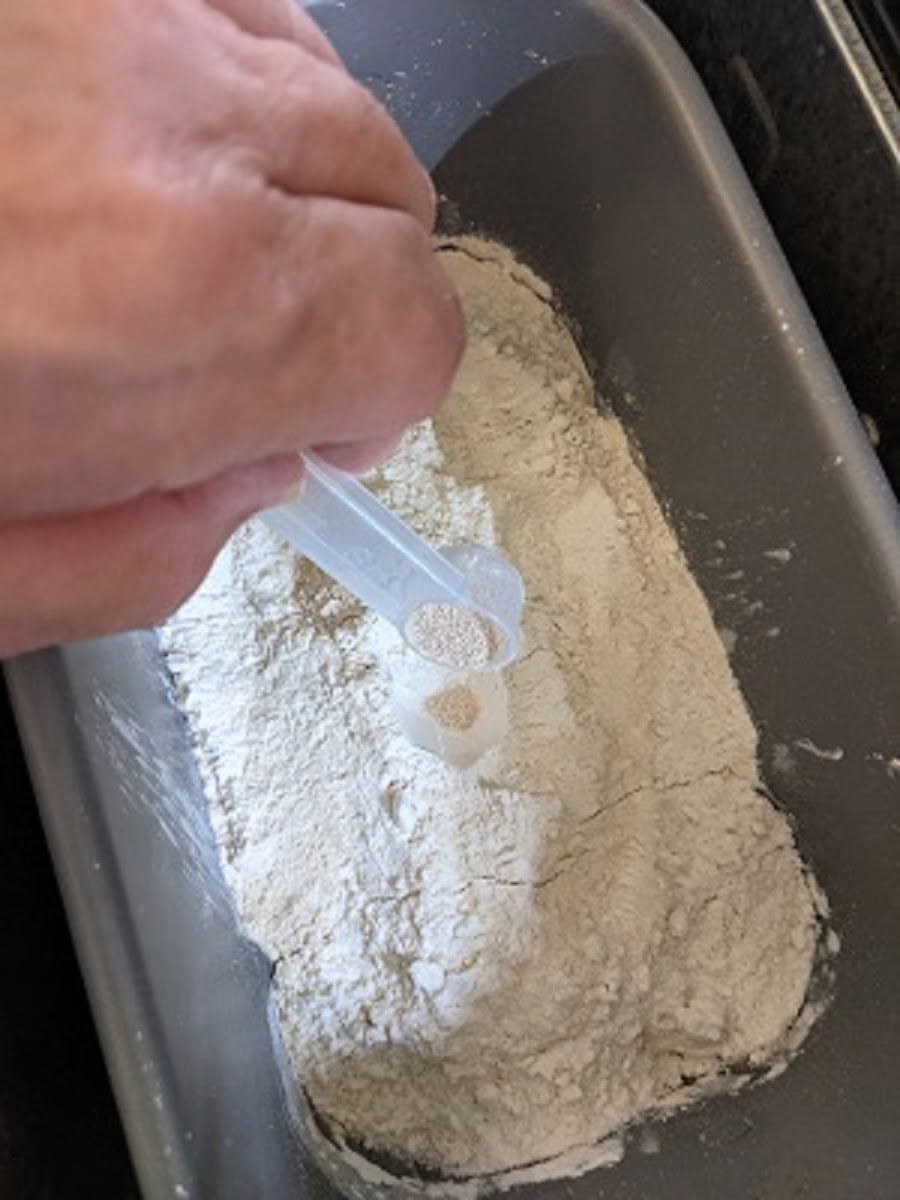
485, 969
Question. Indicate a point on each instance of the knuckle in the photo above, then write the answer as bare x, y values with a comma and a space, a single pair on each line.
361, 111
325, 133
322, 91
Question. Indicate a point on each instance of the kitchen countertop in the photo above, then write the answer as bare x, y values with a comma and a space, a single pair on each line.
827, 177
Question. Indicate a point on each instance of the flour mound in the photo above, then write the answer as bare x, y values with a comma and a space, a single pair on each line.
478, 970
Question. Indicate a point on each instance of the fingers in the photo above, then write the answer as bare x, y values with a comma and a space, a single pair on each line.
357, 335
128, 567
376, 331
359, 456
283, 19
321, 134
176, 314
284, 325
233, 264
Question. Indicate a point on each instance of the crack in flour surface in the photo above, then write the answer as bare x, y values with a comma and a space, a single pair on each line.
481, 969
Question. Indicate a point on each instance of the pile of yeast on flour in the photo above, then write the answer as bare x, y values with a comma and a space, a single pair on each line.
488, 969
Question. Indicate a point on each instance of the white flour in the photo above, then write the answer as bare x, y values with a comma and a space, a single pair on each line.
480, 970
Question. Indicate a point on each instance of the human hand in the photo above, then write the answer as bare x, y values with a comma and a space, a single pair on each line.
214, 252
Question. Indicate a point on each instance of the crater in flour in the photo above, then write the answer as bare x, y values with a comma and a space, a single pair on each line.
479, 970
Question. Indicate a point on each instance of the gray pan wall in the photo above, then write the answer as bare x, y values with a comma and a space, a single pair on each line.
578, 134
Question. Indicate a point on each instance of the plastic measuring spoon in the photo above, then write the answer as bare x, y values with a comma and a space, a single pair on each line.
338, 523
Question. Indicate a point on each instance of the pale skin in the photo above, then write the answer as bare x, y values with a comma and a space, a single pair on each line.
214, 252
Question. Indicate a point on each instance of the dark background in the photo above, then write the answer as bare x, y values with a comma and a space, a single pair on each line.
829, 182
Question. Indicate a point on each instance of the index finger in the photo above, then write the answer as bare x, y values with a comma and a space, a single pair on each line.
323, 134
282, 19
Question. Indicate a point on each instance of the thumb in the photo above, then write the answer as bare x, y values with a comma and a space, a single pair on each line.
126, 567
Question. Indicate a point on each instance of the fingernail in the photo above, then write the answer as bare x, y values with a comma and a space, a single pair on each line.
278, 481
291, 493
